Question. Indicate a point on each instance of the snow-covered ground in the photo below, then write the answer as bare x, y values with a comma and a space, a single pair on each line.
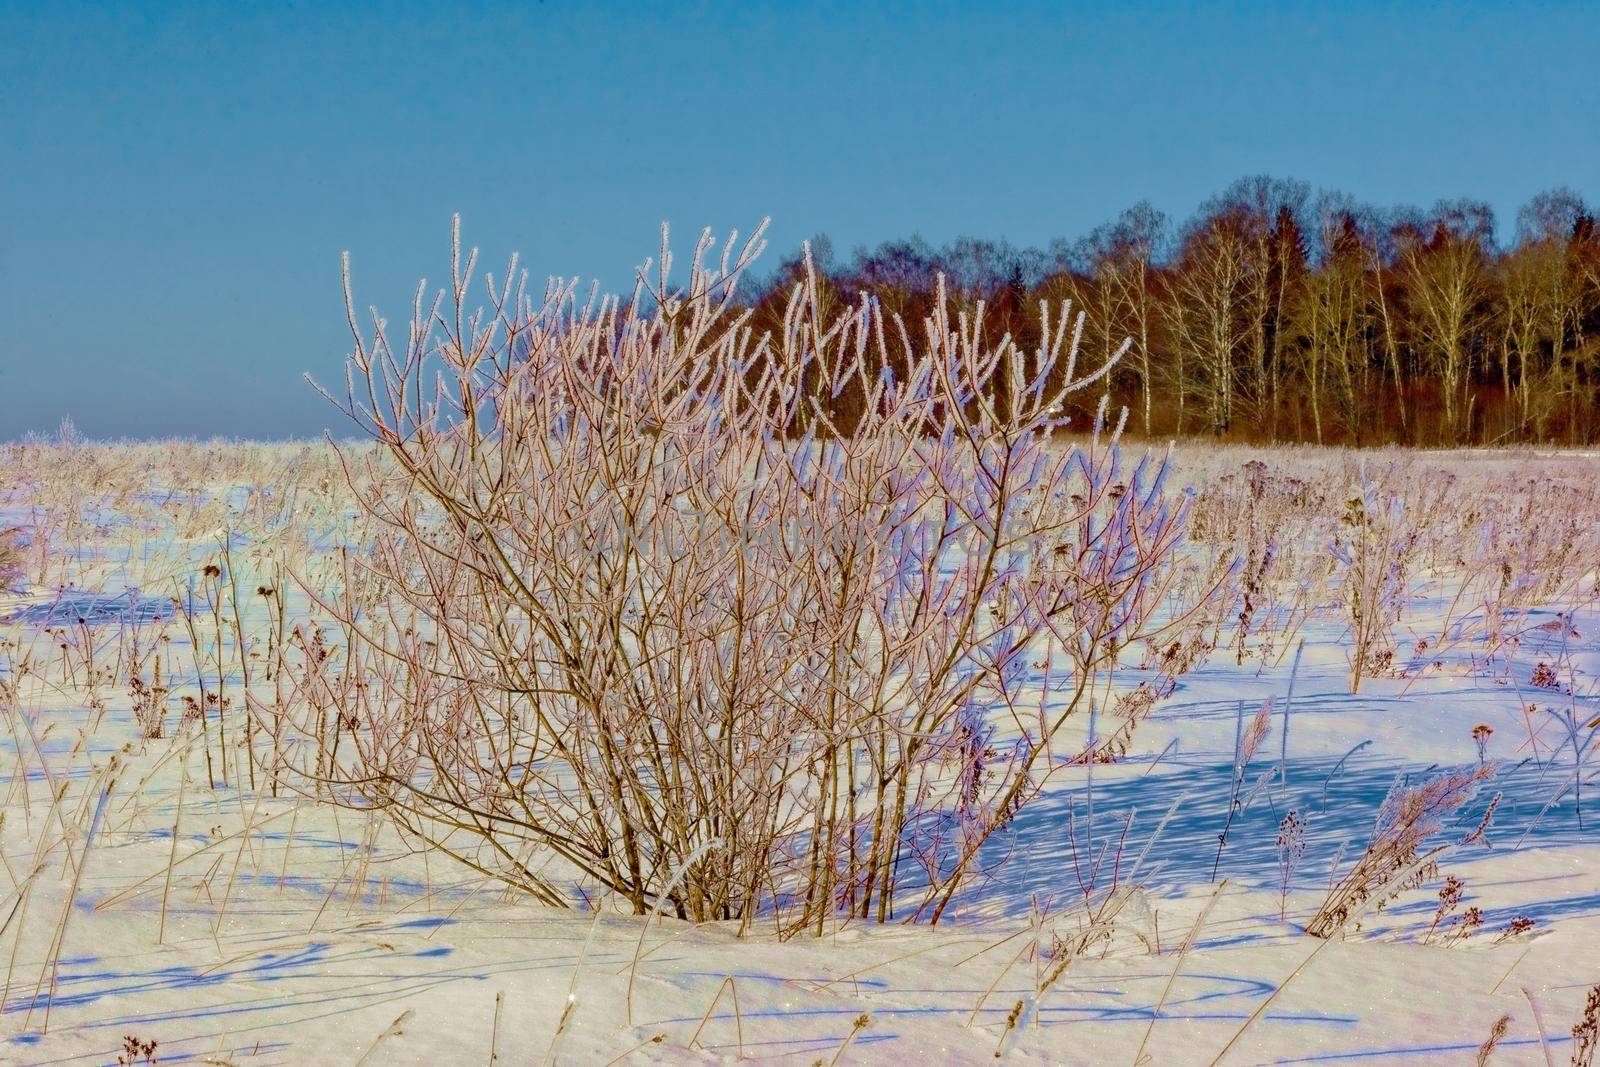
228, 925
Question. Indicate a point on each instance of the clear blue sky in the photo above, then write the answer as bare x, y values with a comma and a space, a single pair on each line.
178, 181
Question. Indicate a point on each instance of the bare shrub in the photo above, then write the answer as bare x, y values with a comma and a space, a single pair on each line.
149, 705
645, 618
1393, 860
1376, 545
1291, 846
11, 559
1586, 1031
1497, 1034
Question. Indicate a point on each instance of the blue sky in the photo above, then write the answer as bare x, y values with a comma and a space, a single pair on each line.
178, 181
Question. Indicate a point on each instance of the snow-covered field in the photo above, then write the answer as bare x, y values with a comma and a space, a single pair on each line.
1150, 907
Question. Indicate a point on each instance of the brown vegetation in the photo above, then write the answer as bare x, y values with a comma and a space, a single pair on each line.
1276, 315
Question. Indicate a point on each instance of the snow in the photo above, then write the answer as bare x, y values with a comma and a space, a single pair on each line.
231, 926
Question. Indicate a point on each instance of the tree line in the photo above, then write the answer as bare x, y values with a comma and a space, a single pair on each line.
1276, 314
